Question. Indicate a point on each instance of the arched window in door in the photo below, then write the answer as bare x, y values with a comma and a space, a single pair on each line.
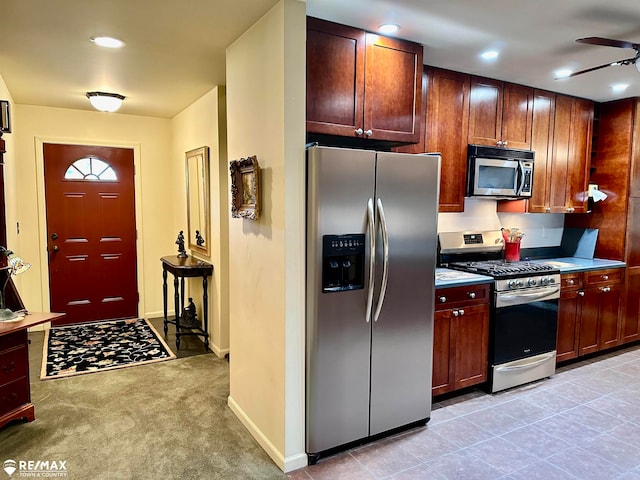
92, 169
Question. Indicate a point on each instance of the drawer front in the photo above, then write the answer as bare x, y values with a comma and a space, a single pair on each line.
599, 277
14, 395
13, 339
571, 281
13, 364
460, 296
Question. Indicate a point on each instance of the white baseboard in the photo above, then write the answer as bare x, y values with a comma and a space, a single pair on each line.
220, 352
288, 464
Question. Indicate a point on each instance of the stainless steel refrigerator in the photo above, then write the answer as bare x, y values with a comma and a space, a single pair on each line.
371, 258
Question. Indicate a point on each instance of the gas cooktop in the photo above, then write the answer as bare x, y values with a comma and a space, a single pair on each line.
503, 269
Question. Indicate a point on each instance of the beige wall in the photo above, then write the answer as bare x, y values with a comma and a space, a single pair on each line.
151, 140
11, 204
266, 118
204, 124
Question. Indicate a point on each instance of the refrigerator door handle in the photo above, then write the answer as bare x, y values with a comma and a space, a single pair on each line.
371, 220
385, 263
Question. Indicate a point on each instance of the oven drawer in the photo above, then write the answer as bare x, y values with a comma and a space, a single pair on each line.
462, 296
599, 277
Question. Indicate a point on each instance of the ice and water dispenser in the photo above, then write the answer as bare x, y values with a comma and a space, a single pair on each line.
343, 262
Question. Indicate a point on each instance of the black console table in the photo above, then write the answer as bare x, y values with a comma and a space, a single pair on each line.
182, 268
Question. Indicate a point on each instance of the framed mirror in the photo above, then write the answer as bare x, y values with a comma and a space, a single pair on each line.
197, 173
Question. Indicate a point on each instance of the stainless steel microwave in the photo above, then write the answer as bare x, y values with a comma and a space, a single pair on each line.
495, 172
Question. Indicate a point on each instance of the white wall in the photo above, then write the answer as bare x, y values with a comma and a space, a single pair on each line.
204, 124
541, 229
266, 118
149, 137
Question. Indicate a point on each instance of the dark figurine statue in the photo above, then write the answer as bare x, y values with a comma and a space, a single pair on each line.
199, 239
189, 316
182, 253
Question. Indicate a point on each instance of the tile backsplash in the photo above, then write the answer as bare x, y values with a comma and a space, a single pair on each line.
541, 229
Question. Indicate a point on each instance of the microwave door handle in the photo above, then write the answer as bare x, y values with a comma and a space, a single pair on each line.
520, 179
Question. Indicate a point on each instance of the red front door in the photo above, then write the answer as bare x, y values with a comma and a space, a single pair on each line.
91, 232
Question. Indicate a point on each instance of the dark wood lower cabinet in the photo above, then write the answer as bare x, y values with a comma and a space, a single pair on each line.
461, 338
589, 318
630, 331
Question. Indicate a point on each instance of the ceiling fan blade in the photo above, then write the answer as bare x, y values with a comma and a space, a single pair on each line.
627, 61
608, 42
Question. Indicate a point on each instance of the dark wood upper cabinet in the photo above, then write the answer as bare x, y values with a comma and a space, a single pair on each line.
335, 78
447, 124
500, 114
362, 85
544, 104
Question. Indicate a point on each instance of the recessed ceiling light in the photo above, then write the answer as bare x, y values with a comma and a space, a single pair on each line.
563, 73
489, 55
108, 42
388, 28
619, 87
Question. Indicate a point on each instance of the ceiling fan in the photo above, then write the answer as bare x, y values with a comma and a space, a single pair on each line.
607, 42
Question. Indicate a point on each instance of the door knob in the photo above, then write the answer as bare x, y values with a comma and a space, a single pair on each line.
54, 236
55, 248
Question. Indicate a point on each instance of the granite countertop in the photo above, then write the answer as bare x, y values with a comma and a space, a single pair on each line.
577, 264
446, 277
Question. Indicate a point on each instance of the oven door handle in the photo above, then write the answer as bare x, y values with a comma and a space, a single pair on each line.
507, 300
521, 366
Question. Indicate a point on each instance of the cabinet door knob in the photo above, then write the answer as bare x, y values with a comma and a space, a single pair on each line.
548, 209
606, 289
505, 143
605, 277
368, 133
570, 281
499, 143
581, 294
456, 313
472, 294
461, 312
443, 299
359, 131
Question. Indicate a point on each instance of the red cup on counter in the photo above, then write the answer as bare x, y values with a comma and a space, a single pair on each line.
512, 251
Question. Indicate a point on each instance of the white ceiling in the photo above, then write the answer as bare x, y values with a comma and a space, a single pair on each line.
175, 51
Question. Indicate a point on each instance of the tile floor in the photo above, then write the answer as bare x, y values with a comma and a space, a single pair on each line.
583, 423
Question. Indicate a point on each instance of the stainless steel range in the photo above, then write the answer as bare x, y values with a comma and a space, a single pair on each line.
524, 307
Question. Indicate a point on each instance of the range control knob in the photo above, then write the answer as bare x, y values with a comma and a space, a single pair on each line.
531, 282
519, 283
551, 281
544, 281
513, 284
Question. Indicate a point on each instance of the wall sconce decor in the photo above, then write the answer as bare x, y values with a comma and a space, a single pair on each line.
105, 102
245, 188
5, 117
15, 266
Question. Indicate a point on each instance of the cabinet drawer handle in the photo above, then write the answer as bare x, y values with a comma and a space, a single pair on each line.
605, 277
359, 131
570, 281
606, 289
472, 294
9, 368
10, 398
443, 299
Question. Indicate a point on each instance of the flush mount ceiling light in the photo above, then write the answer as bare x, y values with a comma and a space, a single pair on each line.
105, 102
109, 42
388, 28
